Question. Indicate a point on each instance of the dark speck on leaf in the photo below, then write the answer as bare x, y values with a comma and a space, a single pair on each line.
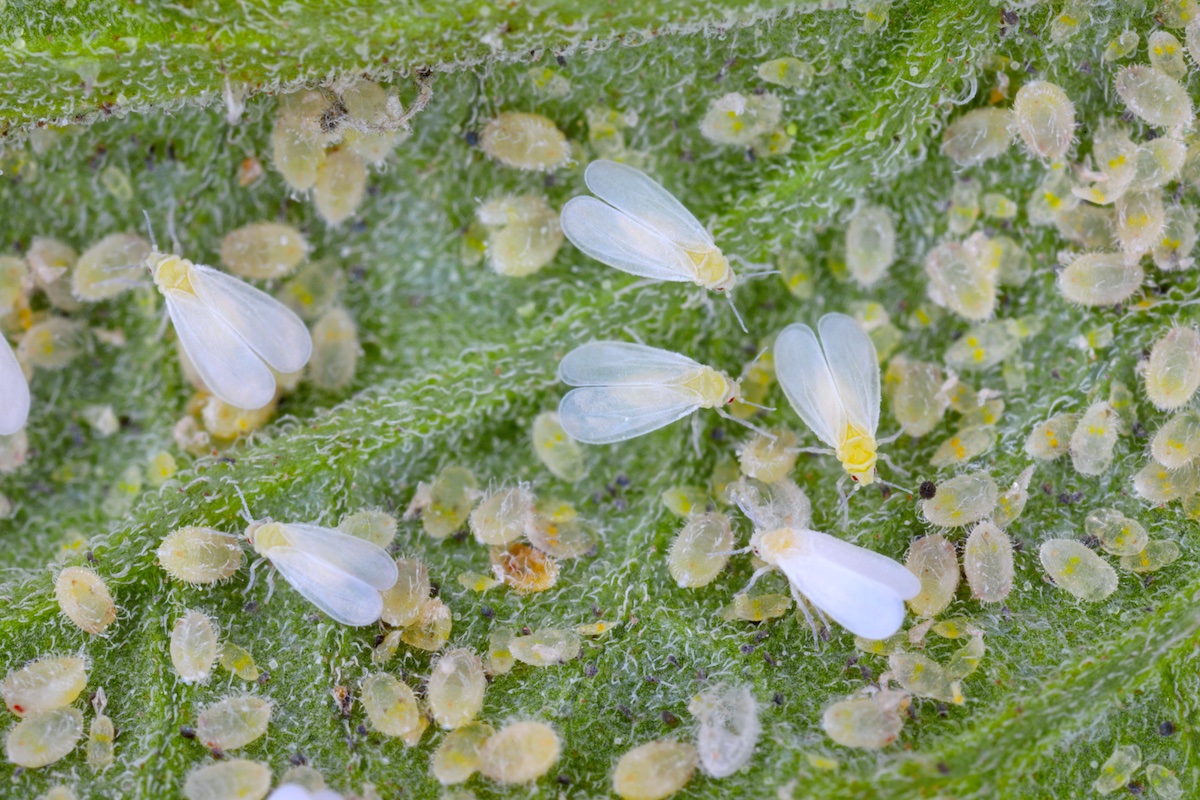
561, 59
747, 649
487, 612
717, 435
927, 490
626, 712
187, 732
472, 138
670, 719
250, 608
563, 779
1166, 728
297, 759
943, 768
778, 699
590, 670
361, 730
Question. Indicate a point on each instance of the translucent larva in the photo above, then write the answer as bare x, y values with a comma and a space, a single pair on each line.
233, 334
870, 244
1045, 119
1118, 534
699, 552
684, 501
654, 770
100, 742
833, 385
402, 603
1140, 221
44, 685
374, 126
45, 737
525, 141
560, 454
457, 757
1157, 163
997, 206
756, 608
988, 563
500, 658
14, 447
455, 691
1121, 46
303, 777
869, 723
790, 72
558, 530
1173, 251
1101, 279
102, 420
109, 267
1166, 54
335, 350
627, 390
1164, 783
546, 647
263, 250
1094, 439
966, 659
238, 660
983, 346
503, 516
1177, 442
1076, 569
390, 705
933, 560
1172, 373
1012, 500
962, 500
476, 581
51, 344
313, 289
915, 390
51, 263
961, 282
1118, 769
637, 226
523, 234
963, 209
340, 574
520, 752
967, 443
1052, 438
200, 555
227, 423
736, 119
988, 412
924, 677
1157, 554
297, 142
431, 629
245, 780
340, 185
1090, 227
445, 504
84, 599
375, 526
979, 135
194, 647
1156, 483
729, 728
769, 456
58, 793
233, 722
1154, 96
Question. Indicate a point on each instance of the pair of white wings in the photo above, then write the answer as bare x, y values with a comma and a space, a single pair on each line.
340, 574
832, 381
626, 390
233, 332
861, 590
636, 226
14, 392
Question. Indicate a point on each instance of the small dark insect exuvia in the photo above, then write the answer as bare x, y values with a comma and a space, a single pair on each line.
927, 490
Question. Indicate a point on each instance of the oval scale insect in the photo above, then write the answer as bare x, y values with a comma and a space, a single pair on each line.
833, 384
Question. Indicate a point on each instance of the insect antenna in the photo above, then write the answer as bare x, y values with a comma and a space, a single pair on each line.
726, 415
245, 508
729, 297
150, 230
754, 405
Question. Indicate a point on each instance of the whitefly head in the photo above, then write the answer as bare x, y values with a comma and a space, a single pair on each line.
713, 270
170, 272
265, 535
773, 545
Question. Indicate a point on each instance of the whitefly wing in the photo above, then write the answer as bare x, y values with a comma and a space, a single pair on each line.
342, 596
14, 392
625, 364
858, 603
228, 366
607, 414
866, 562
641, 197
808, 383
268, 326
617, 239
854, 365
363, 560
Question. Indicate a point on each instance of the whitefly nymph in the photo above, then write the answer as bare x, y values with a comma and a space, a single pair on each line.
340, 574
234, 334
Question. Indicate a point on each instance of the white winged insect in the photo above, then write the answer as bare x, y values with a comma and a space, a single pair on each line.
639, 227
14, 392
861, 590
833, 384
233, 333
628, 389
340, 574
